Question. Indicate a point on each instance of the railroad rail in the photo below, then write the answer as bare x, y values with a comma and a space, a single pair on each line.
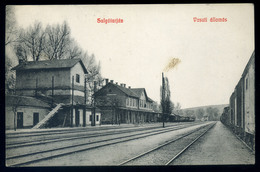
29, 158
207, 127
76, 135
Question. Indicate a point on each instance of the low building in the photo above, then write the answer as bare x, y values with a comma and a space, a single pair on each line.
59, 87
24, 111
119, 104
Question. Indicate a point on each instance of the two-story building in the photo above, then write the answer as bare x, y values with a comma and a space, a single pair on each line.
60, 84
119, 104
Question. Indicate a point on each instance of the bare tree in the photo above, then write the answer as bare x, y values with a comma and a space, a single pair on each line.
21, 52
93, 71
57, 41
177, 108
10, 38
155, 106
9, 76
74, 50
30, 43
10, 25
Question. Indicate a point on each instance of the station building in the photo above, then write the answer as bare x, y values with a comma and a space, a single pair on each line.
119, 104
53, 92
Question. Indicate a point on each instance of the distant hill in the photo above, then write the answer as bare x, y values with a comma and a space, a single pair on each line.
219, 107
211, 112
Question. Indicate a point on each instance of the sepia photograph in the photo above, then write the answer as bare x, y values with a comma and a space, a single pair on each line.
129, 85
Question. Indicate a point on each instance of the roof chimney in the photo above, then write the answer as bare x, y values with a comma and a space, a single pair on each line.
116, 83
122, 85
129, 87
21, 61
112, 81
107, 81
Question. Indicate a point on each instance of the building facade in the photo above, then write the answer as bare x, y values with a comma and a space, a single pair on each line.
56, 82
24, 111
119, 104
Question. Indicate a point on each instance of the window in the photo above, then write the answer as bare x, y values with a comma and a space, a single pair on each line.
127, 101
97, 117
77, 78
90, 117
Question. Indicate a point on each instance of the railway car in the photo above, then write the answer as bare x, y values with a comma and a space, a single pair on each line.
178, 118
225, 117
240, 115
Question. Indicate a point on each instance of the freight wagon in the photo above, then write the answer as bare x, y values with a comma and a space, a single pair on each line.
240, 115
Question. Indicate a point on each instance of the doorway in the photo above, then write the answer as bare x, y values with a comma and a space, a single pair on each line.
19, 119
77, 118
35, 118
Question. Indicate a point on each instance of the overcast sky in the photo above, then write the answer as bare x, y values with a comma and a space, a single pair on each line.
213, 55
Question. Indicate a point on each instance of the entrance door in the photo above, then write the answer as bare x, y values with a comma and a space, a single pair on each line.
77, 118
35, 118
19, 119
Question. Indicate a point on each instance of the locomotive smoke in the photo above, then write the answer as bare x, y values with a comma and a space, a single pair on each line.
172, 63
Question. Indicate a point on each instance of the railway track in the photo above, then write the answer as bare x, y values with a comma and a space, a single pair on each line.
78, 135
165, 154
45, 132
24, 159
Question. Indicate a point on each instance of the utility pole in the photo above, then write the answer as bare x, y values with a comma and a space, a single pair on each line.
72, 97
52, 90
163, 100
94, 106
36, 86
85, 102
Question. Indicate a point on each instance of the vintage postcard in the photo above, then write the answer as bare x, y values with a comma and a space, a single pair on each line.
129, 85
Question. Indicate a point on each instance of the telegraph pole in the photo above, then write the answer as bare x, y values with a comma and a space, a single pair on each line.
85, 102
94, 106
52, 90
72, 97
36, 86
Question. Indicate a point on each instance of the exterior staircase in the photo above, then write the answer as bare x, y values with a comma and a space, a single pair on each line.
50, 114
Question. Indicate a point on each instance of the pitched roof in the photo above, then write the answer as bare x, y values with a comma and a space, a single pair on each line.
138, 91
127, 91
50, 64
133, 92
25, 101
149, 99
